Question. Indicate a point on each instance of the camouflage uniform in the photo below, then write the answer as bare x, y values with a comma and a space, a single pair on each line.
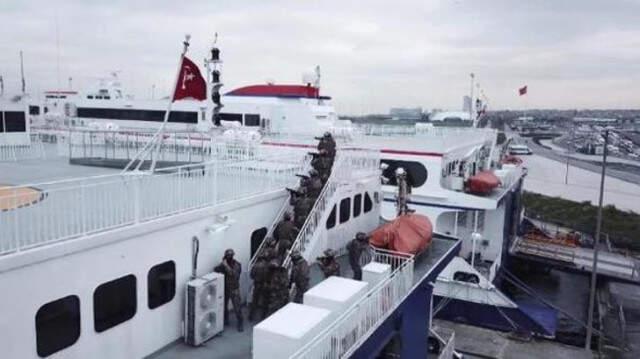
355, 249
315, 186
278, 287
299, 276
323, 164
283, 246
260, 275
329, 265
231, 270
286, 229
301, 210
269, 251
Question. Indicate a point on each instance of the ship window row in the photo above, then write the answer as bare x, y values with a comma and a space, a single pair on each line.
344, 211
114, 302
247, 119
13, 121
416, 172
137, 115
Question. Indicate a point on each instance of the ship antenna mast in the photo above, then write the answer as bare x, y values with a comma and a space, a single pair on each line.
214, 66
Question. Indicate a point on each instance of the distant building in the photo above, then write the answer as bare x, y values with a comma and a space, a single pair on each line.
595, 120
451, 119
401, 113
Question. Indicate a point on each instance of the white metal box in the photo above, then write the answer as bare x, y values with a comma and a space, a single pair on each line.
336, 294
287, 330
374, 272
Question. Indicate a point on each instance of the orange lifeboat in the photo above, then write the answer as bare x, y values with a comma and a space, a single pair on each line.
410, 233
482, 183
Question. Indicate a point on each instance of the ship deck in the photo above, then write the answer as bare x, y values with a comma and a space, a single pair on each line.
231, 344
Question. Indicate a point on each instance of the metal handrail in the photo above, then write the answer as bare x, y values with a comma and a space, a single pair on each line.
349, 330
285, 207
78, 207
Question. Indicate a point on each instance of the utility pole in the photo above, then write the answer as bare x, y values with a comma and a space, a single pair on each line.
22, 73
594, 271
566, 173
471, 98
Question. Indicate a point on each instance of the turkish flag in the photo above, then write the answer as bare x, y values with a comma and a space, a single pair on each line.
190, 84
522, 90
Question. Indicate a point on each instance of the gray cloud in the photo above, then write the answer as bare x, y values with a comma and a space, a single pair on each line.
374, 54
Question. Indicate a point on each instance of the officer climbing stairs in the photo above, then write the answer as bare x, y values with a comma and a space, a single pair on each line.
293, 238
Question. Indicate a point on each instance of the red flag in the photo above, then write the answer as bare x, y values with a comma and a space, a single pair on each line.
523, 90
190, 84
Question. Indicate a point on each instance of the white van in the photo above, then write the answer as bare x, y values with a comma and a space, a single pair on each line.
519, 149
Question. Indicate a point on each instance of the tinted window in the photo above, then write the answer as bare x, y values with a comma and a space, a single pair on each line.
357, 205
57, 325
114, 303
161, 281
331, 221
137, 115
256, 239
416, 172
14, 121
345, 210
34, 110
251, 120
231, 117
368, 205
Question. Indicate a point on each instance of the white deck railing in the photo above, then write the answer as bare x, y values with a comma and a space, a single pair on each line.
78, 207
17, 152
449, 350
175, 146
342, 337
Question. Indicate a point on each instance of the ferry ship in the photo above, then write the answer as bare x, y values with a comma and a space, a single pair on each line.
103, 266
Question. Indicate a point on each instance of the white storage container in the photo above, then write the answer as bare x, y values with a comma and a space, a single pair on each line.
336, 294
287, 330
374, 272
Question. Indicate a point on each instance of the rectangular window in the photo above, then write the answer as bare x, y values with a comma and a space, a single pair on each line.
368, 205
161, 282
462, 219
331, 221
14, 121
256, 239
137, 115
114, 302
237, 117
57, 325
345, 209
34, 110
251, 120
357, 205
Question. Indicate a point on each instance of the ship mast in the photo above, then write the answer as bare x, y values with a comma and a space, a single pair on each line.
213, 65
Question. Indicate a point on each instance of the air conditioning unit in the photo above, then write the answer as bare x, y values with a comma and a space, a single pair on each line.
204, 308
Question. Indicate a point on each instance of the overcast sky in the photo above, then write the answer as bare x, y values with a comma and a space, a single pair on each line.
373, 54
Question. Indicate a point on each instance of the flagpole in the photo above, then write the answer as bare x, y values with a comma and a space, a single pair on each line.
151, 145
185, 43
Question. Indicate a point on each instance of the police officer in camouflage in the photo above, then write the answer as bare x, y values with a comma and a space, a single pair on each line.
328, 264
231, 269
260, 276
269, 250
315, 184
301, 208
299, 275
286, 229
355, 248
278, 287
